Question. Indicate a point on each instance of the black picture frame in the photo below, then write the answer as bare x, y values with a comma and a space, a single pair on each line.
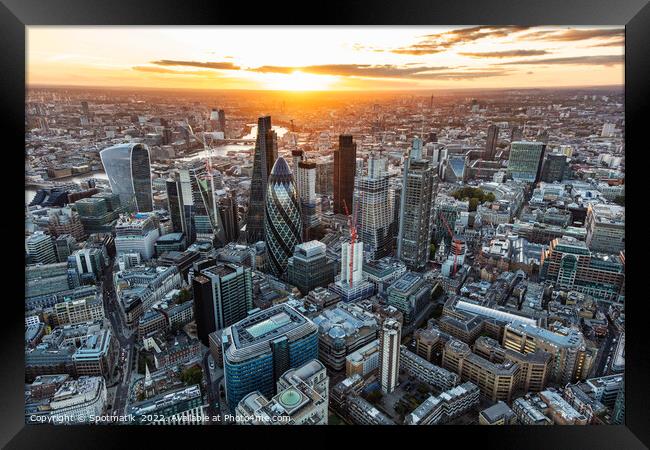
15, 15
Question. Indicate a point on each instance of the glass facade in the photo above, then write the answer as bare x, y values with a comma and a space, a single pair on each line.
525, 162
282, 219
415, 214
266, 152
129, 173
260, 348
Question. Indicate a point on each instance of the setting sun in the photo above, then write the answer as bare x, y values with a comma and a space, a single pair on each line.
298, 81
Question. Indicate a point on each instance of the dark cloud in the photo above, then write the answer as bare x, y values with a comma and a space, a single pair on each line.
221, 65
574, 34
439, 42
505, 53
460, 75
598, 60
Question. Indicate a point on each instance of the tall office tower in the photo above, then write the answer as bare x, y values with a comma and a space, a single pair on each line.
396, 198
296, 157
325, 176
554, 167
344, 168
491, 143
218, 120
525, 162
262, 347
40, 248
266, 152
229, 217
175, 205
389, 353
128, 169
309, 267
309, 206
223, 295
84, 109
282, 221
414, 236
192, 203
516, 134
374, 210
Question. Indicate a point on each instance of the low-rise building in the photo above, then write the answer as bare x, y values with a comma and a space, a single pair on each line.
445, 407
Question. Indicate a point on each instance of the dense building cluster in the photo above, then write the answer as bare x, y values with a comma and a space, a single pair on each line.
378, 259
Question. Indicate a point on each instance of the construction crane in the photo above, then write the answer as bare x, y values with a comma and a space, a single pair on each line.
455, 243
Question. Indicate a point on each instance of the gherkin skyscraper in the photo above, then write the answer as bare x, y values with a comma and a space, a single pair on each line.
282, 222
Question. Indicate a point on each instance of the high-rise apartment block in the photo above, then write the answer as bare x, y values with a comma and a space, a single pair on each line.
389, 355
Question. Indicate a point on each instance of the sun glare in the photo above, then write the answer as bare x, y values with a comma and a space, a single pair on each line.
298, 81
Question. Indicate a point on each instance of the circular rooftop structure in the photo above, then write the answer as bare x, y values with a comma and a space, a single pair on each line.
290, 398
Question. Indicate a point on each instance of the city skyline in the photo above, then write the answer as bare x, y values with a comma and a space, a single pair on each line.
325, 254
326, 58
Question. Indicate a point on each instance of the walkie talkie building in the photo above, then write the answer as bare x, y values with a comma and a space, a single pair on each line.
129, 172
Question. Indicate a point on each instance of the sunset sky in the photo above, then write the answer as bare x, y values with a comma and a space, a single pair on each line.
325, 58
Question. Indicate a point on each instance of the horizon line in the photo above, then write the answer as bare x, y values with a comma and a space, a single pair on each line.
149, 88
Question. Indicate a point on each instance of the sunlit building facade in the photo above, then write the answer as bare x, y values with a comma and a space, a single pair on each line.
128, 167
282, 221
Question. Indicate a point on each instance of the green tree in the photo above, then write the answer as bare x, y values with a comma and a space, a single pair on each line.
192, 375
473, 203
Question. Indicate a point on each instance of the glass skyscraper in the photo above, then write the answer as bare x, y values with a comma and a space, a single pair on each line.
129, 172
223, 295
282, 221
193, 205
344, 168
415, 210
263, 346
266, 152
374, 210
525, 162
